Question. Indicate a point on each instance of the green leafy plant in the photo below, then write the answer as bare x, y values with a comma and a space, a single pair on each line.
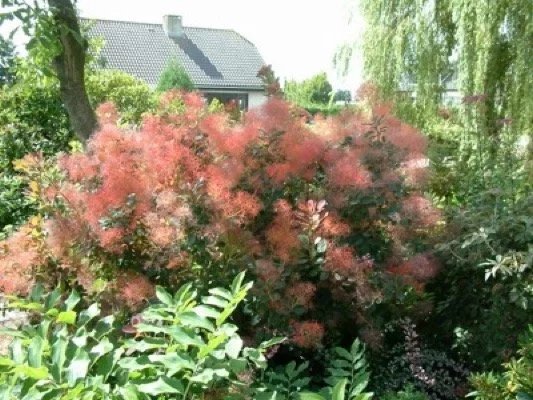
347, 379
181, 347
517, 380
174, 76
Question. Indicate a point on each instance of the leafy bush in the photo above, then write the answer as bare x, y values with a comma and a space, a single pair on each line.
485, 293
33, 119
348, 379
131, 97
174, 76
177, 347
316, 89
409, 393
332, 212
412, 364
517, 380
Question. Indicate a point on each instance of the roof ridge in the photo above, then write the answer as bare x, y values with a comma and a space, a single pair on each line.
160, 24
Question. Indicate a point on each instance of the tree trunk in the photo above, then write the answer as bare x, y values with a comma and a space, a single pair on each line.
70, 68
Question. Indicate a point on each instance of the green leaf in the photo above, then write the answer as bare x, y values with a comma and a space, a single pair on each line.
78, 367
343, 353
224, 293
59, 348
30, 372
190, 319
52, 299
310, 396
339, 390
129, 393
234, 347
162, 385
66, 317
206, 311
104, 347
87, 315
35, 352
36, 293
237, 282
72, 300
174, 362
208, 374
164, 297
215, 301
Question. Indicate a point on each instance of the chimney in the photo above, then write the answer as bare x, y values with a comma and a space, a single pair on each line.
173, 26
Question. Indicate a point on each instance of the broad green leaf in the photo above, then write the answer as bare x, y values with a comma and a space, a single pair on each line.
78, 367
87, 315
237, 282
343, 353
164, 296
52, 299
162, 385
36, 293
310, 396
206, 312
234, 347
145, 344
215, 301
339, 390
103, 347
135, 363
17, 353
30, 372
72, 300
35, 352
174, 362
129, 393
192, 320
211, 345
224, 293
66, 317
59, 348
208, 374
106, 364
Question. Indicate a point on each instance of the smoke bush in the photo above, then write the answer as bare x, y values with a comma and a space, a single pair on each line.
314, 211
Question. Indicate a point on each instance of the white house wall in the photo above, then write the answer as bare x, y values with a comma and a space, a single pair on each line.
256, 99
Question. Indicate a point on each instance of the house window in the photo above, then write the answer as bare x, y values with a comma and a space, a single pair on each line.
240, 99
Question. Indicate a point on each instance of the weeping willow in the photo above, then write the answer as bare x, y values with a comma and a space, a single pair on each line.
487, 45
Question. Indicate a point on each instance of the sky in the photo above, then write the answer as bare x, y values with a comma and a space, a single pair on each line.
298, 37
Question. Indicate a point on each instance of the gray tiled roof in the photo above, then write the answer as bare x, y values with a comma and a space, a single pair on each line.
214, 58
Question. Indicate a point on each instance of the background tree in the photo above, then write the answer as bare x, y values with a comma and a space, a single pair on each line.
487, 45
174, 76
54, 23
316, 90
7, 60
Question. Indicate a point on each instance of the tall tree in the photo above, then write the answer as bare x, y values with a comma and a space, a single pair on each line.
7, 59
54, 23
487, 44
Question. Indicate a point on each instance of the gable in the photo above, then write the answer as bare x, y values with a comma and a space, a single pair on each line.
214, 58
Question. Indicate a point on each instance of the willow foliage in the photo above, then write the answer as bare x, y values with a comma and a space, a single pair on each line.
486, 44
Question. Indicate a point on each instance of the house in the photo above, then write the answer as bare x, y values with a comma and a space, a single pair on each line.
221, 63
450, 94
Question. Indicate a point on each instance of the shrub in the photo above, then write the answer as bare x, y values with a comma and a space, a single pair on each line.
174, 76
316, 89
485, 293
409, 393
319, 214
178, 346
33, 119
517, 380
131, 96
433, 373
